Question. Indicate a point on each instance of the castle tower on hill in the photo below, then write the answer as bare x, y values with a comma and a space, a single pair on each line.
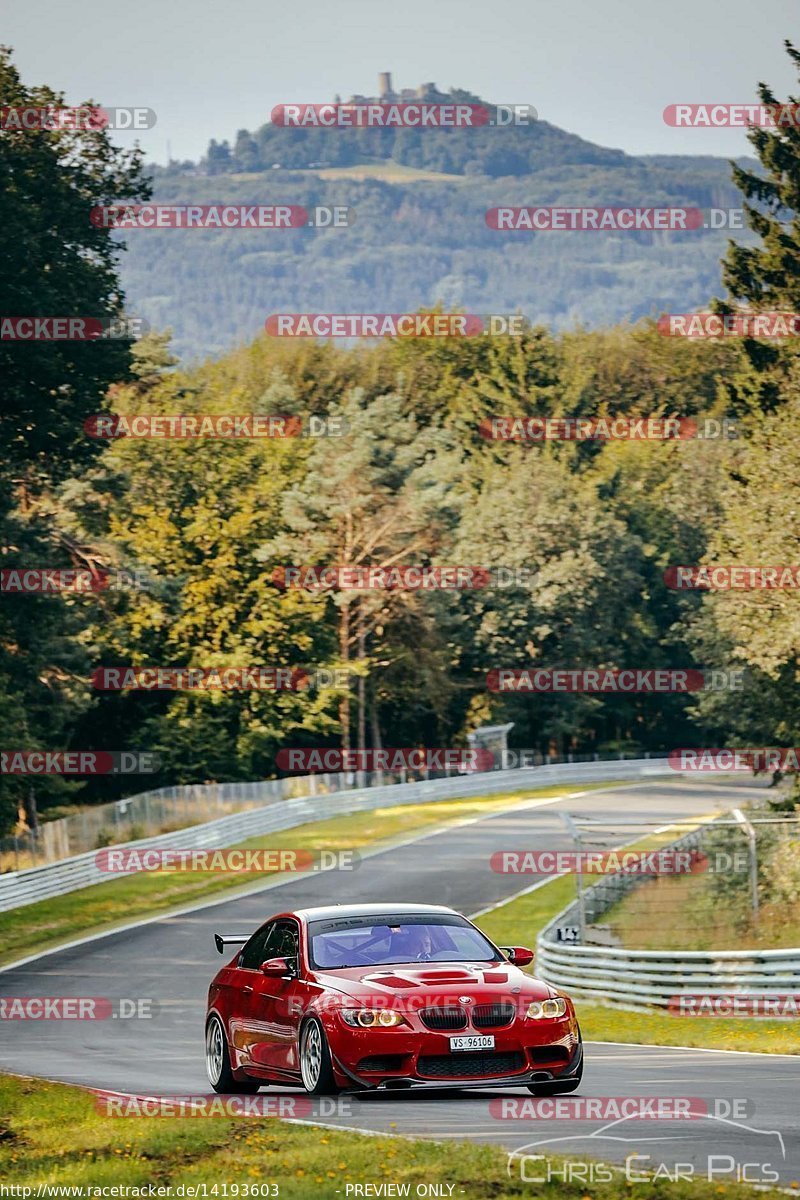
387, 94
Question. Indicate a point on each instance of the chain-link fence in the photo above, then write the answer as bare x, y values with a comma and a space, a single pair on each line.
172, 808
147, 814
731, 882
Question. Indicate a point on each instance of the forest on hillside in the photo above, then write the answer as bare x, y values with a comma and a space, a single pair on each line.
424, 242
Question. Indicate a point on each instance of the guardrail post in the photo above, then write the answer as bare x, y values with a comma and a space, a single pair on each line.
576, 841
753, 855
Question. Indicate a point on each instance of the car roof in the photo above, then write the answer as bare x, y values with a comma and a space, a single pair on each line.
331, 911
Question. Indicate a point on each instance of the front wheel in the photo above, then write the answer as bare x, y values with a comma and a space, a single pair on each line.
316, 1068
218, 1063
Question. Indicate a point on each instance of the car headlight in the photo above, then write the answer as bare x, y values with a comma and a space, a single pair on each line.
542, 1009
371, 1018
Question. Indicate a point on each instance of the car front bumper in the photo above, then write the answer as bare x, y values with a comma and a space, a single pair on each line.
393, 1061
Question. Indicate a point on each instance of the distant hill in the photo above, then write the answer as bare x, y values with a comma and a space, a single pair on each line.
491, 151
418, 238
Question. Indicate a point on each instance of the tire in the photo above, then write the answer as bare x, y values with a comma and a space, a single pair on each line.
316, 1068
558, 1087
218, 1063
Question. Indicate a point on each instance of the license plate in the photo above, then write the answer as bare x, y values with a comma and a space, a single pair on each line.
472, 1041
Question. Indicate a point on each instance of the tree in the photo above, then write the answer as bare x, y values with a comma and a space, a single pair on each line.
58, 264
218, 159
766, 277
582, 569
759, 628
381, 497
245, 152
190, 516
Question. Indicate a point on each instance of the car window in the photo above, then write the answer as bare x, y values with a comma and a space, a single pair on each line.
277, 939
254, 954
283, 942
349, 942
367, 945
460, 944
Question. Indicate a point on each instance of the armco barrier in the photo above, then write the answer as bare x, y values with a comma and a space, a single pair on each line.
647, 979
650, 978
18, 888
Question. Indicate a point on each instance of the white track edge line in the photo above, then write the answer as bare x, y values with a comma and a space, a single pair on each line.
698, 1049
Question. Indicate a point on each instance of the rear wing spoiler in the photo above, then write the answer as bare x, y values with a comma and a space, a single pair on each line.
221, 940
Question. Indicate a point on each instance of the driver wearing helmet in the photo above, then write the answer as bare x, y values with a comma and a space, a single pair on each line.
413, 944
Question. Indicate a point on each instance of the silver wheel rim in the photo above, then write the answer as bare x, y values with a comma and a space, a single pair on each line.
214, 1051
311, 1057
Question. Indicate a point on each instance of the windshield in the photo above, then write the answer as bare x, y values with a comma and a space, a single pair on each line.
382, 941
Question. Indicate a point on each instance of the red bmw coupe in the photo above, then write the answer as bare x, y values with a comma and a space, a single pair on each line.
365, 996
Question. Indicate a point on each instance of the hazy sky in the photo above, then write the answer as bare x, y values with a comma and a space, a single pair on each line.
604, 69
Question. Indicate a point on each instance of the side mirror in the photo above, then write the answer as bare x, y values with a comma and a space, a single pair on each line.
277, 968
520, 956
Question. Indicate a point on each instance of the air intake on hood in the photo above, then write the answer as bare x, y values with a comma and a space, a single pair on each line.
445, 976
391, 979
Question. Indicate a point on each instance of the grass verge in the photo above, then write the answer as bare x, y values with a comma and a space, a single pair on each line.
52, 1136
601, 1024
49, 923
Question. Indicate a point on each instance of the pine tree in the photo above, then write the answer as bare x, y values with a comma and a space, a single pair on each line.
766, 277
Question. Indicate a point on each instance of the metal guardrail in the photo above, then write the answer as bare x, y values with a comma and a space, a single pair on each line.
163, 810
18, 888
654, 978
647, 979
147, 814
